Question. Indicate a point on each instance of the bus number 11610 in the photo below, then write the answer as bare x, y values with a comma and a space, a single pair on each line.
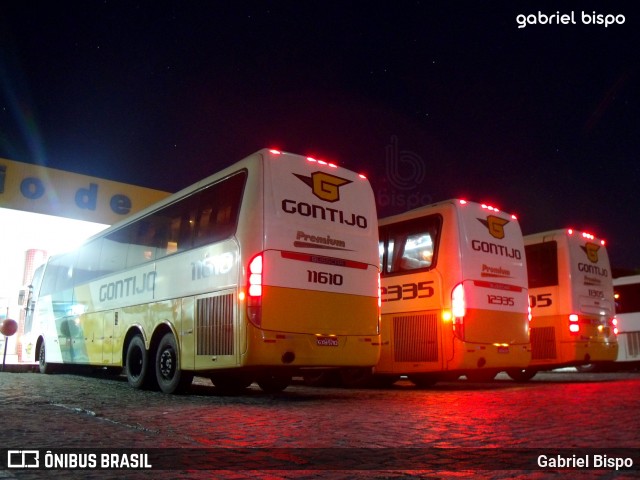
324, 278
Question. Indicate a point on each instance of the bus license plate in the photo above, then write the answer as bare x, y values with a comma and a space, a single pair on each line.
327, 341
503, 349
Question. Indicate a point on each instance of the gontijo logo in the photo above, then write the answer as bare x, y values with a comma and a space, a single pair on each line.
591, 249
495, 225
324, 186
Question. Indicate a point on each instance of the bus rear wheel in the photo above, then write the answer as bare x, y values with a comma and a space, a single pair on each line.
274, 383
321, 378
479, 376
231, 383
43, 366
171, 378
424, 380
521, 374
137, 363
355, 377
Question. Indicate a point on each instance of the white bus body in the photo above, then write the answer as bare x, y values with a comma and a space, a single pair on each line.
265, 268
571, 296
627, 297
454, 295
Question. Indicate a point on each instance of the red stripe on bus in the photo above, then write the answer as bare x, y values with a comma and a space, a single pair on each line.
339, 262
497, 286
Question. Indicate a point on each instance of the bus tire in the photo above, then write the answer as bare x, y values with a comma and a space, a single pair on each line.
424, 380
171, 378
274, 383
480, 376
231, 383
356, 377
43, 366
137, 363
321, 378
521, 374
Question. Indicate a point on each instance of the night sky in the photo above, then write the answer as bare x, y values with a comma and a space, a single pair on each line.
431, 99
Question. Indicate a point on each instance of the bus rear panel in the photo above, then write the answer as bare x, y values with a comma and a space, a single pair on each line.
454, 293
571, 296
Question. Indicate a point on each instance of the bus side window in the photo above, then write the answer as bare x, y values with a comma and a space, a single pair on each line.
218, 209
411, 245
113, 255
417, 252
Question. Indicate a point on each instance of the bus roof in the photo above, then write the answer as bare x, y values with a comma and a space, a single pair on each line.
561, 232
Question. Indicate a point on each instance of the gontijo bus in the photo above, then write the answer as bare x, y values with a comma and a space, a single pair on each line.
265, 268
627, 298
454, 294
571, 296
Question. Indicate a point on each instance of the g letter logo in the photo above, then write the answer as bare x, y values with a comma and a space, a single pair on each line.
495, 225
324, 186
591, 249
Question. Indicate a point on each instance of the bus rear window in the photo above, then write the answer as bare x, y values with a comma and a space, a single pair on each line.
410, 245
542, 264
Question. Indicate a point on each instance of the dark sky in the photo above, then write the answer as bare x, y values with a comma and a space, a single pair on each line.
432, 99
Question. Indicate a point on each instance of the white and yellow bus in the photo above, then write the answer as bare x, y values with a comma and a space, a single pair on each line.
252, 274
571, 297
454, 296
627, 298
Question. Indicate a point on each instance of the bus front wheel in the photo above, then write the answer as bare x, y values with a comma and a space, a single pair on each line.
171, 378
137, 362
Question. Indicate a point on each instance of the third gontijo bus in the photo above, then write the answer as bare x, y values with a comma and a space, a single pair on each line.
268, 267
454, 295
571, 296
627, 297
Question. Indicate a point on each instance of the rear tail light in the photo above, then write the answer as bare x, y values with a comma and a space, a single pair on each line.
574, 326
254, 289
458, 310
614, 324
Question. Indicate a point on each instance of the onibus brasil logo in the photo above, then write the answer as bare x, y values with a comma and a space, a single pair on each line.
324, 186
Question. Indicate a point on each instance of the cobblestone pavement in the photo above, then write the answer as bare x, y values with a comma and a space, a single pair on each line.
452, 430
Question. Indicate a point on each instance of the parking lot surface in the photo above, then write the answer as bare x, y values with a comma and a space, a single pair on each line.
460, 429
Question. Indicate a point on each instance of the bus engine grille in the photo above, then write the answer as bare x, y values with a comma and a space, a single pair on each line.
543, 343
415, 338
214, 325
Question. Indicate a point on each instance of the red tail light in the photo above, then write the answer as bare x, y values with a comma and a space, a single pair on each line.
574, 326
254, 290
458, 310
614, 324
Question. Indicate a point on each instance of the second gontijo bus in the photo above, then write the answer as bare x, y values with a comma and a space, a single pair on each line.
454, 296
571, 296
254, 273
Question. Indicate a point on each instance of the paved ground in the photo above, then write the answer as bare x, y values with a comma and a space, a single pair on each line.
453, 430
